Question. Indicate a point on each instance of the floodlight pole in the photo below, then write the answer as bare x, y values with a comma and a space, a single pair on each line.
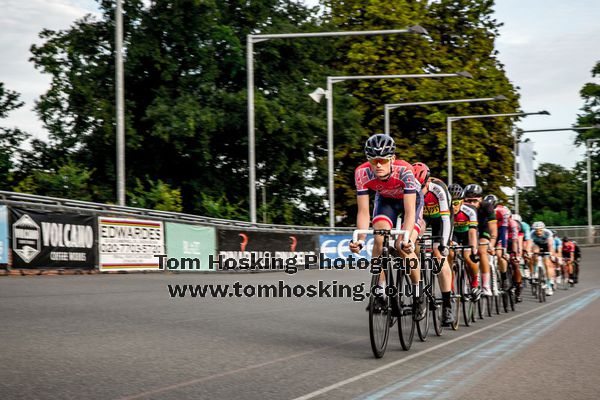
256, 38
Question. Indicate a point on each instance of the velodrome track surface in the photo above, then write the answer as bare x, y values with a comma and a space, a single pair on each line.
124, 337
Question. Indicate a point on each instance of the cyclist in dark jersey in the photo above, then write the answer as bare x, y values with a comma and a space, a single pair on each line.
438, 215
397, 194
465, 234
486, 218
577, 253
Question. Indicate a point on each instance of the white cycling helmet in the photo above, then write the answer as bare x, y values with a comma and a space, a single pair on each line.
517, 218
538, 225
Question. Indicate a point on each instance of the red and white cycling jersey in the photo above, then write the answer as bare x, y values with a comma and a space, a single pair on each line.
568, 247
502, 215
401, 181
514, 228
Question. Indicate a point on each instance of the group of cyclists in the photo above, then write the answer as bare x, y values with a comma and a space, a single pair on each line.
457, 216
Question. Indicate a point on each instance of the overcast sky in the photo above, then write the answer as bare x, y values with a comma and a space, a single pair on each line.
547, 46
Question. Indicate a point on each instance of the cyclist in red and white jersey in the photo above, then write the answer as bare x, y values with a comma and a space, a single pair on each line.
515, 251
397, 193
502, 221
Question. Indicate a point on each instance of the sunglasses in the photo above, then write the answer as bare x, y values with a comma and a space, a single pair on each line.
471, 201
382, 161
456, 202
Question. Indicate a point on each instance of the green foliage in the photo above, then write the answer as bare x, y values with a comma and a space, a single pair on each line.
590, 93
11, 139
221, 208
185, 75
463, 34
155, 195
186, 101
71, 181
557, 199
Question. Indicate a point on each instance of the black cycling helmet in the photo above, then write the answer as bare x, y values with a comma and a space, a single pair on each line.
456, 191
491, 198
380, 146
473, 190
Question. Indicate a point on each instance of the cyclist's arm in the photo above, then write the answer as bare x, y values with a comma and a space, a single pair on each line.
529, 246
363, 217
410, 211
493, 228
473, 226
473, 237
521, 243
443, 197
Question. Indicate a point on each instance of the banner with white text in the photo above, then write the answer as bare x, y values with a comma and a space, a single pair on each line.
42, 239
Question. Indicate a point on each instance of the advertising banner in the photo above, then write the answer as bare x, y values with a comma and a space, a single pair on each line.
526, 172
130, 244
238, 245
188, 243
336, 247
3, 235
52, 239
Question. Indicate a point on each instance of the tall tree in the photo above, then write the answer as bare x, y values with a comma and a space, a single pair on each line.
590, 93
557, 199
462, 38
11, 139
185, 78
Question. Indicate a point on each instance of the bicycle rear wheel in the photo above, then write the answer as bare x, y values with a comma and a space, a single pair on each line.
488, 304
379, 321
406, 324
511, 288
467, 302
436, 308
565, 278
455, 298
541, 280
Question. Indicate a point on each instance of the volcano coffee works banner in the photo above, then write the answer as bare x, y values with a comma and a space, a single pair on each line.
52, 239
130, 244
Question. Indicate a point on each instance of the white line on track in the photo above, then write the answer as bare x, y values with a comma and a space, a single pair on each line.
420, 353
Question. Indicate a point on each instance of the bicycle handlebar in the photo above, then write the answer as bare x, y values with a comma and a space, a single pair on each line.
396, 232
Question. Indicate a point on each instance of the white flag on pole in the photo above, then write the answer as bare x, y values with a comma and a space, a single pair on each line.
525, 171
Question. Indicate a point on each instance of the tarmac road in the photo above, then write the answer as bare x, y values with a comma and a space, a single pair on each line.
124, 337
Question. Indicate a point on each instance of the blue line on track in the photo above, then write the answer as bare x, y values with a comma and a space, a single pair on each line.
488, 353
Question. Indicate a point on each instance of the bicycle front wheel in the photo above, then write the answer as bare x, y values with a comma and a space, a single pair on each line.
379, 320
406, 324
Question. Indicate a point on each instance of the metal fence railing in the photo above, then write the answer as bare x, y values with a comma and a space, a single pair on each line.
60, 204
583, 235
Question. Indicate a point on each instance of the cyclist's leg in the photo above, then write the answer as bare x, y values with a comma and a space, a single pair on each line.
549, 273
484, 264
445, 274
462, 238
383, 215
516, 273
411, 258
500, 252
